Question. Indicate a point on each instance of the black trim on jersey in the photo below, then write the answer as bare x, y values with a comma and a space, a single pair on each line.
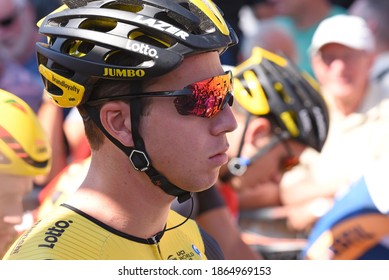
153, 240
210, 199
212, 249
203, 202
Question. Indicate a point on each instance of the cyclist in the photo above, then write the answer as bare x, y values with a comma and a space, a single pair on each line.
357, 226
157, 128
280, 112
24, 153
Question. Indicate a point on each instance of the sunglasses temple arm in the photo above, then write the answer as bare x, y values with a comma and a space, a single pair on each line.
261, 152
243, 135
274, 141
237, 166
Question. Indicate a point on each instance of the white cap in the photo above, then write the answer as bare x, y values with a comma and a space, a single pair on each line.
348, 30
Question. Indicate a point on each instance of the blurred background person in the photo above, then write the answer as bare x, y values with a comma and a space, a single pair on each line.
342, 53
357, 226
44, 7
262, 9
16, 79
24, 154
343, 3
19, 33
376, 15
270, 36
18, 67
280, 112
251, 17
52, 117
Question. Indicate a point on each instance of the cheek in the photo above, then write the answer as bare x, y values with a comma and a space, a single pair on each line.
179, 150
173, 144
179, 146
170, 139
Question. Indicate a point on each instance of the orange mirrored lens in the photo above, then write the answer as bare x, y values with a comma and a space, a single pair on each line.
208, 97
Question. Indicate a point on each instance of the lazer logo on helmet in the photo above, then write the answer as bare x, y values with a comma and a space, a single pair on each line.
142, 49
163, 26
63, 84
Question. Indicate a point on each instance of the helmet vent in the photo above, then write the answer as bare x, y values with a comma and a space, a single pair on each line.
124, 58
134, 7
206, 25
279, 88
77, 48
99, 24
192, 22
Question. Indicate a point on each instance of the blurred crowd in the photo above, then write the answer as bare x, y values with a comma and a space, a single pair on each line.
343, 45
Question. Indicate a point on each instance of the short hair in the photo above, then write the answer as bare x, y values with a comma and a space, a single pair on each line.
105, 88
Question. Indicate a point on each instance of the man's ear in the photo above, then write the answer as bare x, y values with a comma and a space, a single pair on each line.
116, 119
258, 129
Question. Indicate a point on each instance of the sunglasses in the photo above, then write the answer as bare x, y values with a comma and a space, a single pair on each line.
204, 99
8, 21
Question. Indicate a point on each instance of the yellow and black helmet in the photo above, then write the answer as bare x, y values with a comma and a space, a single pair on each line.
84, 37
24, 147
270, 85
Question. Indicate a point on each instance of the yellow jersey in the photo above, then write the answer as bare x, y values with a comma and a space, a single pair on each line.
70, 234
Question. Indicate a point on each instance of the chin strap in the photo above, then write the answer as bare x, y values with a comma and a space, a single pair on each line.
137, 155
157, 237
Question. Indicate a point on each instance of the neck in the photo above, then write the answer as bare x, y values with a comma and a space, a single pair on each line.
127, 200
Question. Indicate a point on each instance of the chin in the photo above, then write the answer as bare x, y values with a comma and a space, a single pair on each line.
203, 186
200, 182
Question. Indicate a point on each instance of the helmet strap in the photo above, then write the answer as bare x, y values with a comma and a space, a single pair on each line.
157, 178
94, 114
137, 155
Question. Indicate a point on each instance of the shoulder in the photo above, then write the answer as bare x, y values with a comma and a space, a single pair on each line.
212, 248
190, 233
64, 234
352, 229
62, 186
